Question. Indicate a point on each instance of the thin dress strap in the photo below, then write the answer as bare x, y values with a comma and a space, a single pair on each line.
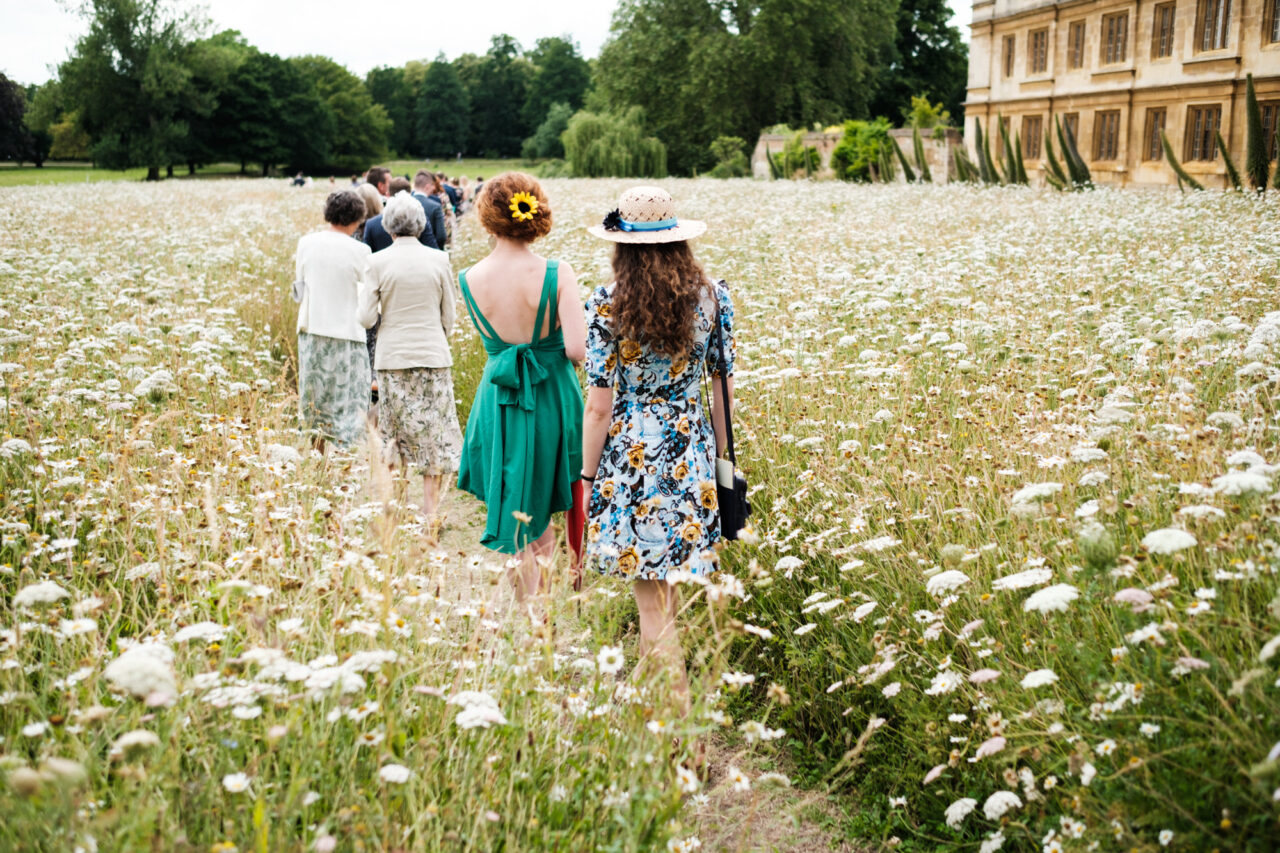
477, 319
546, 303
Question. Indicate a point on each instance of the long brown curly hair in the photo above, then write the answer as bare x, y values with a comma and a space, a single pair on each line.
655, 298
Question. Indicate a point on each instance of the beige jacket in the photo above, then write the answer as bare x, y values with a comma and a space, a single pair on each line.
412, 287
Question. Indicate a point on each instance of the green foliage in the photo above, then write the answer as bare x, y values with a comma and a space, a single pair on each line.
443, 110
546, 141
1054, 174
923, 115
390, 88
1233, 174
496, 84
44, 110
731, 158
902, 161
271, 114
986, 166
794, 159
560, 76
966, 172
212, 63
1014, 170
128, 78
1257, 157
885, 171
928, 58
1183, 177
15, 138
864, 144
922, 161
602, 146
1077, 169
703, 69
360, 127
67, 139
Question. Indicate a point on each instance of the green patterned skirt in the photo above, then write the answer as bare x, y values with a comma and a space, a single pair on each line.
333, 386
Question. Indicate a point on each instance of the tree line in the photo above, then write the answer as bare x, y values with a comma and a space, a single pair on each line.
146, 87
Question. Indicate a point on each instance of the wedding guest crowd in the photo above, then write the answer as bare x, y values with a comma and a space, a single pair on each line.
635, 468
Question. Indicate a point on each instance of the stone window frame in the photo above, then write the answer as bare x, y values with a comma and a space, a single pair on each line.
1031, 142
1270, 125
1271, 22
1077, 42
1213, 25
1038, 51
1009, 54
1164, 29
1114, 46
1156, 121
1203, 121
1072, 121
1106, 135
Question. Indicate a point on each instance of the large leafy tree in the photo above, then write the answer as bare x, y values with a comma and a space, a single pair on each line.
360, 127
391, 89
443, 112
929, 58
701, 69
212, 63
496, 85
129, 82
560, 76
656, 48
271, 115
15, 138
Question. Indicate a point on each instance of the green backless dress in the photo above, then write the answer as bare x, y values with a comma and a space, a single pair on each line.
523, 448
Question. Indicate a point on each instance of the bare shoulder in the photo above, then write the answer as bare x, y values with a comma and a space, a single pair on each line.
567, 273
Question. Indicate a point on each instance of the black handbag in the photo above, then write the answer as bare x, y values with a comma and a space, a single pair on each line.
731, 487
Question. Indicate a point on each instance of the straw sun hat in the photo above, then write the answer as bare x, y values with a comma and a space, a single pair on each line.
646, 215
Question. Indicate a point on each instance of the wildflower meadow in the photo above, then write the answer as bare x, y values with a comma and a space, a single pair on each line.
1011, 580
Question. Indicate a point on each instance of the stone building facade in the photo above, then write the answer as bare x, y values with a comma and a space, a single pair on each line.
1120, 71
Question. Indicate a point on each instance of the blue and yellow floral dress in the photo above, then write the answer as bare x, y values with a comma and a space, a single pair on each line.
653, 505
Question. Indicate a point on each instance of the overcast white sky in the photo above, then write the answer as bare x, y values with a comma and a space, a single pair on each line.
37, 34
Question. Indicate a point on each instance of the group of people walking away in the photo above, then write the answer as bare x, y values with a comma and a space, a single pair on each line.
636, 466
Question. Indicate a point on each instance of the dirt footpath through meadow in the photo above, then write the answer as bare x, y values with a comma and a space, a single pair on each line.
762, 820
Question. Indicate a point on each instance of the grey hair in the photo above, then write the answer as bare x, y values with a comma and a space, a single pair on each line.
404, 216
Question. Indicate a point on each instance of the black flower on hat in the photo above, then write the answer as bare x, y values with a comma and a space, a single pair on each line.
613, 221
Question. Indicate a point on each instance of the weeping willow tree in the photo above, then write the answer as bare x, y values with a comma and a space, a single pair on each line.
613, 146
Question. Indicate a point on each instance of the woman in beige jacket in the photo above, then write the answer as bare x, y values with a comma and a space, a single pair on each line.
411, 287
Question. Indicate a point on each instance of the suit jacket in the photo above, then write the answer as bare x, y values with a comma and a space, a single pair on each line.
375, 236
435, 221
411, 288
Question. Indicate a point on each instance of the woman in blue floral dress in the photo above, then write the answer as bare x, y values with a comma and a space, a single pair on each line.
649, 446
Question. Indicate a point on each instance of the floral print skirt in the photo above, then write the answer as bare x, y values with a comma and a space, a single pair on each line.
333, 386
418, 419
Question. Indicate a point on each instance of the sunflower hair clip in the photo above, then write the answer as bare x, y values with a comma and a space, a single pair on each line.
523, 207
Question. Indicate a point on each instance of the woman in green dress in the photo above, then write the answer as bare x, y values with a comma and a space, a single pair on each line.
522, 454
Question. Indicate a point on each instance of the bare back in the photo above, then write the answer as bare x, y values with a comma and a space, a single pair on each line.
506, 288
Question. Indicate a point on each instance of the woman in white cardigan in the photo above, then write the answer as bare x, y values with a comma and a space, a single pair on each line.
333, 361
411, 287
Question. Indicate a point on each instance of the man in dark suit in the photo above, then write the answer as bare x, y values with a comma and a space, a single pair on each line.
423, 185
377, 238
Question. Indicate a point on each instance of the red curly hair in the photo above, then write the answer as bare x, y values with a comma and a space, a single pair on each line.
494, 206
